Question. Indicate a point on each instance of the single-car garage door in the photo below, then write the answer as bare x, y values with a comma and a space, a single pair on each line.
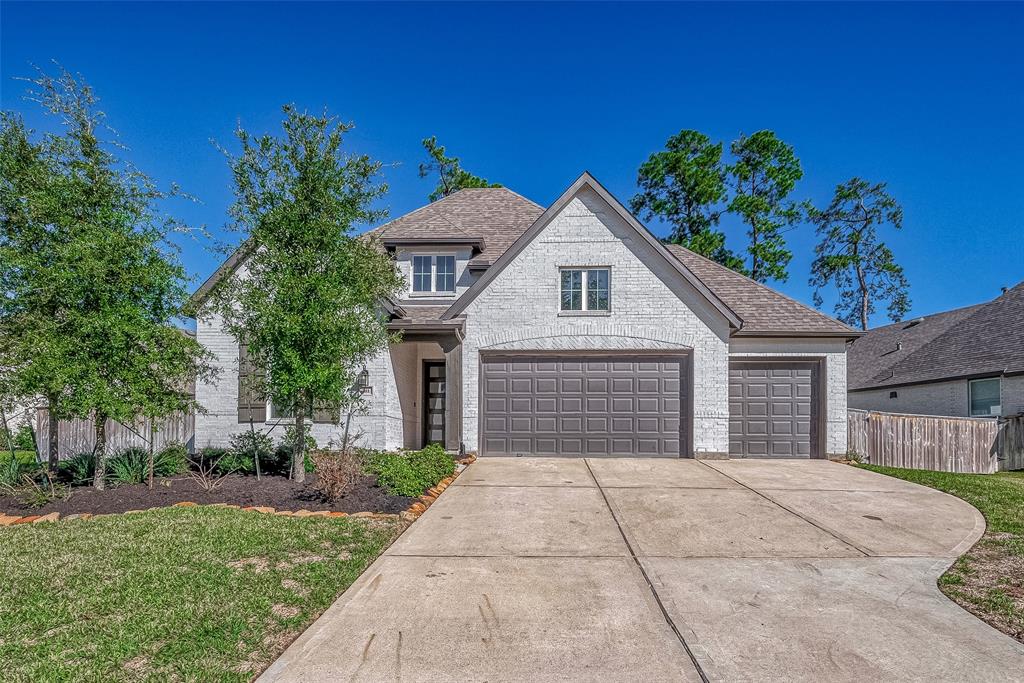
584, 405
772, 409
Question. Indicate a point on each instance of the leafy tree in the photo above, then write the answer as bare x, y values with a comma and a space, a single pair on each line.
851, 256
92, 286
763, 175
684, 185
34, 356
308, 306
451, 176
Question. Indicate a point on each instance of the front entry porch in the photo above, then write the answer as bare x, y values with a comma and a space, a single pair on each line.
427, 365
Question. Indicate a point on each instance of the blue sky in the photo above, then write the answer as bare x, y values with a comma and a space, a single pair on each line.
928, 98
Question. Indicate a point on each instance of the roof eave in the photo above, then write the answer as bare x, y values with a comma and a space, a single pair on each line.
834, 334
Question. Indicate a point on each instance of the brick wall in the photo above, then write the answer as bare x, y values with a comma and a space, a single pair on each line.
650, 308
381, 425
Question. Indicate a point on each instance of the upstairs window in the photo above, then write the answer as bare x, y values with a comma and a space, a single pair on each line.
984, 397
433, 274
585, 289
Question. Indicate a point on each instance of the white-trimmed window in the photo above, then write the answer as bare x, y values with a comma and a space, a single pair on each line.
984, 397
433, 274
585, 289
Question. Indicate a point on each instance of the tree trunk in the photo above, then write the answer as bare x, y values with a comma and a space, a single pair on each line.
299, 447
152, 442
863, 291
52, 436
99, 480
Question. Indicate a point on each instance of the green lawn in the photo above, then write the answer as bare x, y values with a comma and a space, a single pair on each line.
989, 579
201, 593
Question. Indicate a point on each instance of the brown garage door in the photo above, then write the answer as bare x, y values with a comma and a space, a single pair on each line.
772, 410
583, 406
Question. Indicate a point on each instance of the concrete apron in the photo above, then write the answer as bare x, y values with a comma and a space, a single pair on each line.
653, 569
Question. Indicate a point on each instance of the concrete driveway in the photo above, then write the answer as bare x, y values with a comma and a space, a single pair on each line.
531, 569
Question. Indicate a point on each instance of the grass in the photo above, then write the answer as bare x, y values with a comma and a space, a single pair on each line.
24, 457
191, 594
989, 579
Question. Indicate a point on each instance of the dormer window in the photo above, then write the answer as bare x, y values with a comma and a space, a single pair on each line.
433, 274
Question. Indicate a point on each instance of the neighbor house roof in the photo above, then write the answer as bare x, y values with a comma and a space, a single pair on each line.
979, 340
764, 311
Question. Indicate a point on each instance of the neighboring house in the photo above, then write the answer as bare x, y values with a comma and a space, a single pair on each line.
571, 331
965, 362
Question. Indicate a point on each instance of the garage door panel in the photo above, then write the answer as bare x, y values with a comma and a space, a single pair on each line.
772, 409
615, 405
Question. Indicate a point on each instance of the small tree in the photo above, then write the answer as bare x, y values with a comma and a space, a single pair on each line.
851, 256
684, 185
93, 308
451, 177
309, 304
763, 175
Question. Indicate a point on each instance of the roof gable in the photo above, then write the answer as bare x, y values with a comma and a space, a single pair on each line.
588, 181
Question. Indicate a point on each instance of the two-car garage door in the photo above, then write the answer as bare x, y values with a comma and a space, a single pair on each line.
584, 405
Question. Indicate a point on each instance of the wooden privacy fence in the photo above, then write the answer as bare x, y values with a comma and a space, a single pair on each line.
927, 442
1011, 443
79, 436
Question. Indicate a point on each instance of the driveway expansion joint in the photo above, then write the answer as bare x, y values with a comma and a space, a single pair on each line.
830, 532
647, 579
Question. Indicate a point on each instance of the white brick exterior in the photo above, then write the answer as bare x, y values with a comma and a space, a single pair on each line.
650, 308
834, 353
382, 424
937, 398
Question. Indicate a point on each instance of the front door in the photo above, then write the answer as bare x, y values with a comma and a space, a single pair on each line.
433, 402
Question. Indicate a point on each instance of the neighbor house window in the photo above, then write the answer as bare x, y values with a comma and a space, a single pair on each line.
585, 289
433, 274
984, 397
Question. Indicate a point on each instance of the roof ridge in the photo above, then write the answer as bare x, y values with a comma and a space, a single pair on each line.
758, 284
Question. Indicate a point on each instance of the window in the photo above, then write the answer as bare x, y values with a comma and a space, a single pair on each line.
433, 274
893, 394
585, 289
984, 397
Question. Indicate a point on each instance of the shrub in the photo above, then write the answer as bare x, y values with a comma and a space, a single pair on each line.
283, 454
336, 472
172, 459
130, 466
23, 440
250, 446
78, 469
13, 469
412, 473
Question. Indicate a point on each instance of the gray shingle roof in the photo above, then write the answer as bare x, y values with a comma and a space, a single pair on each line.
985, 339
496, 215
762, 310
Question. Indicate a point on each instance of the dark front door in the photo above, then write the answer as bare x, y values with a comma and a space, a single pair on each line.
433, 402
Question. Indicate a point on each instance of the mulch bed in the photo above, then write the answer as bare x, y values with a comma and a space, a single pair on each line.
235, 489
